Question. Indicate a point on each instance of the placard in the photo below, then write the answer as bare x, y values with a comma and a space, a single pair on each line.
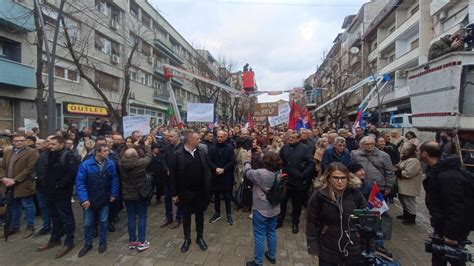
282, 117
139, 122
30, 123
266, 109
200, 112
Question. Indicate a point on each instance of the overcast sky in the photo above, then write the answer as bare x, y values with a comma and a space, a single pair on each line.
283, 41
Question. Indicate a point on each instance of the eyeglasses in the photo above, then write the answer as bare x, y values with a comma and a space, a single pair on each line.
339, 178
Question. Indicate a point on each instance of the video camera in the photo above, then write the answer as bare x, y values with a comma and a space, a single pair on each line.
469, 36
368, 224
436, 245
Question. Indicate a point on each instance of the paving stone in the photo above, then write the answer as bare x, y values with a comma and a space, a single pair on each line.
214, 259
196, 257
244, 251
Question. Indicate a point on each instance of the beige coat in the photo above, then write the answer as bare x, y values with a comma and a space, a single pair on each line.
22, 168
410, 183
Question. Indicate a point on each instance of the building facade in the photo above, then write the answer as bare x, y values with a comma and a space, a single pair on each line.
103, 35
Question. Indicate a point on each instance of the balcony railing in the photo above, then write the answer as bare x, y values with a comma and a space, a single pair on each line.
16, 16
161, 95
16, 74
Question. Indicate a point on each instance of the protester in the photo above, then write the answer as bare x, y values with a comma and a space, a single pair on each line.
336, 153
409, 177
265, 215
221, 162
190, 179
97, 185
377, 164
410, 138
157, 169
58, 181
396, 139
328, 235
365, 186
15, 171
447, 44
42, 147
298, 163
133, 176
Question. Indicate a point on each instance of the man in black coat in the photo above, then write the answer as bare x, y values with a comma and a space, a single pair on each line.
58, 182
190, 179
298, 163
446, 193
221, 162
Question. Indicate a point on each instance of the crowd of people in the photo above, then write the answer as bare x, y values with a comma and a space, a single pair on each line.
330, 172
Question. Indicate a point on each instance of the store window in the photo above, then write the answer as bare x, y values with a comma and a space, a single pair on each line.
6, 114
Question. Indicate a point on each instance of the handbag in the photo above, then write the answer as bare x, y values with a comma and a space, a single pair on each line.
146, 188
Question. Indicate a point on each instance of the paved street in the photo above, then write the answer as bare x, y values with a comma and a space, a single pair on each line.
228, 245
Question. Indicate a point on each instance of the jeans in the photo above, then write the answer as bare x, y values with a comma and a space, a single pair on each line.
103, 214
227, 199
45, 217
137, 209
29, 206
169, 205
297, 199
264, 227
62, 219
438, 260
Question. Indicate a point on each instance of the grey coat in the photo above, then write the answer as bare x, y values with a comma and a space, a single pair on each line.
380, 170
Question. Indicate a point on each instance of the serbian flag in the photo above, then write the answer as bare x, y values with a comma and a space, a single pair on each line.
307, 122
295, 117
249, 121
358, 121
376, 200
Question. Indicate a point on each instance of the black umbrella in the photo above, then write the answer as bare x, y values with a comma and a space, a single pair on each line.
8, 200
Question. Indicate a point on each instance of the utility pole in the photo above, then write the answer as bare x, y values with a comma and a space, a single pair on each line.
51, 56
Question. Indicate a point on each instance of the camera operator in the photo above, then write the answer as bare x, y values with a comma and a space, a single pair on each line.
330, 207
448, 44
446, 205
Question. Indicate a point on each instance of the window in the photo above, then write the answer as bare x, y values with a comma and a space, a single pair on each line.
414, 44
146, 48
146, 19
105, 45
133, 110
391, 58
73, 75
134, 8
148, 79
106, 81
103, 7
141, 111
59, 72
133, 75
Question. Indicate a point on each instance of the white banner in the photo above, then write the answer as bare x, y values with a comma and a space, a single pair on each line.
283, 115
200, 112
30, 123
139, 122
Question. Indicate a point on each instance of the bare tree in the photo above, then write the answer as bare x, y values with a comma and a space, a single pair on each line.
79, 50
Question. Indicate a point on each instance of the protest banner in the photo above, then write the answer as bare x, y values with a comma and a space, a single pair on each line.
139, 122
265, 109
282, 117
200, 112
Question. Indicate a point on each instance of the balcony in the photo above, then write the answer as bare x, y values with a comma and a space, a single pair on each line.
16, 74
400, 62
164, 46
408, 24
16, 16
179, 101
161, 95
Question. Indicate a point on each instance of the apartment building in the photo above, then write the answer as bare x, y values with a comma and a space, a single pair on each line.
104, 33
396, 39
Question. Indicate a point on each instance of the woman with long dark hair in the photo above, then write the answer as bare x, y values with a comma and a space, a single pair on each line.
327, 227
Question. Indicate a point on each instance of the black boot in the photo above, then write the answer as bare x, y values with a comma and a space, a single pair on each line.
410, 219
403, 216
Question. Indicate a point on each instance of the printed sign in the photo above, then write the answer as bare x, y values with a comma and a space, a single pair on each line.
200, 112
266, 109
75, 108
282, 117
139, 122
30, 123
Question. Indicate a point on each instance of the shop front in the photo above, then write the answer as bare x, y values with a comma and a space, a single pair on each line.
82, 115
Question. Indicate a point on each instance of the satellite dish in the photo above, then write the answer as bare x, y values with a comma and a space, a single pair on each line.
354, 50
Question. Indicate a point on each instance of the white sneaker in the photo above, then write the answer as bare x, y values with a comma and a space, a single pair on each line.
143, 246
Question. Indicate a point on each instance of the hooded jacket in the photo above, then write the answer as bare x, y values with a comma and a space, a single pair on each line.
133, 174
445, 187
323, 225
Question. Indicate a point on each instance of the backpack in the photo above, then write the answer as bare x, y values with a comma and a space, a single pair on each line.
277, 191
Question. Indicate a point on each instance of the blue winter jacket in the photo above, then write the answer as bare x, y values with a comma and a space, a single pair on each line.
95, 186
330, 156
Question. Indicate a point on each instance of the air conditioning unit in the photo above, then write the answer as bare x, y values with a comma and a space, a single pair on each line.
132, 95
115, 59
113, 24
150, 59
442, 15
401, 73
